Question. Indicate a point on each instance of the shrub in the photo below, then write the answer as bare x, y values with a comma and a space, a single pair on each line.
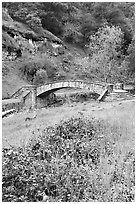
34, 23
71, 34
77, 97
30, 67
65, 163
41, 77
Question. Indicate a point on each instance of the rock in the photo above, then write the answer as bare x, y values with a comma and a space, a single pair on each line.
45, 198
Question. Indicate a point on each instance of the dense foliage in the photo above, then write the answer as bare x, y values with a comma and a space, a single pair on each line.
106, 54
82, 19
38, 69
73, 161
102, 32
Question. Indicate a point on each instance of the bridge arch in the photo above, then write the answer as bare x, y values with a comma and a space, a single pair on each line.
52, 87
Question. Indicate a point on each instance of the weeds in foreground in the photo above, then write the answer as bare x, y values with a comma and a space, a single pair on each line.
74, 161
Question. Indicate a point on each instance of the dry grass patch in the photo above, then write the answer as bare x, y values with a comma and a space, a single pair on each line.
76, 160
79, 159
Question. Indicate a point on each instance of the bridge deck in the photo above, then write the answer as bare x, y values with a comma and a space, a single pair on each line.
96, 87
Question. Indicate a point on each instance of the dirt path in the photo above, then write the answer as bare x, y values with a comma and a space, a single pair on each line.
16, 131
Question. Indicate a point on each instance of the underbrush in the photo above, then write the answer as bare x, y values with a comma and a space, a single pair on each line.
77, 97
74, 161
30, 67
70, 98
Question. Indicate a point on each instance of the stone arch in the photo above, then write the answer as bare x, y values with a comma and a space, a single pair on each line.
44, 91
52, 87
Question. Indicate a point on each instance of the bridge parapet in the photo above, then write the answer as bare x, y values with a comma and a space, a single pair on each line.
76, 81
21, 90
96, 87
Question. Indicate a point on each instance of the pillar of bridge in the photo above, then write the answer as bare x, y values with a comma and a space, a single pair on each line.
34, 97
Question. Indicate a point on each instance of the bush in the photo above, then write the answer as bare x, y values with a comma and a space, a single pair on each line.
30, 67
34, 23
52, 24
72, 35
77, 97
41, 77
65, 162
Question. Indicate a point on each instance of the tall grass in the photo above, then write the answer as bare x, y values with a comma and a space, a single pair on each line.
76, 160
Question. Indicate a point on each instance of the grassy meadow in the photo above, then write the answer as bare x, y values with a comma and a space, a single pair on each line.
75, 152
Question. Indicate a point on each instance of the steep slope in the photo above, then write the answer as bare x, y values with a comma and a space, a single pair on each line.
46, 52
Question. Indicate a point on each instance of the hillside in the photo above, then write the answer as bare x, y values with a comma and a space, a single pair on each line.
43, 42
11, 67
63, 63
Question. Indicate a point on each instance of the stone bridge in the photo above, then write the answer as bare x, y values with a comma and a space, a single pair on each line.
52, 87
31, 93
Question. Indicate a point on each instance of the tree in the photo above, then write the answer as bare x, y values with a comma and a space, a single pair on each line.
105, 50
41, 77
131, 57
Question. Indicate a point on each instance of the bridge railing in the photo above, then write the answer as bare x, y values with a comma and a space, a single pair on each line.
21, 89
82, 81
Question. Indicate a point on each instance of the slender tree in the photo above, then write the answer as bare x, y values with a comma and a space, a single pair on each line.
105, 50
